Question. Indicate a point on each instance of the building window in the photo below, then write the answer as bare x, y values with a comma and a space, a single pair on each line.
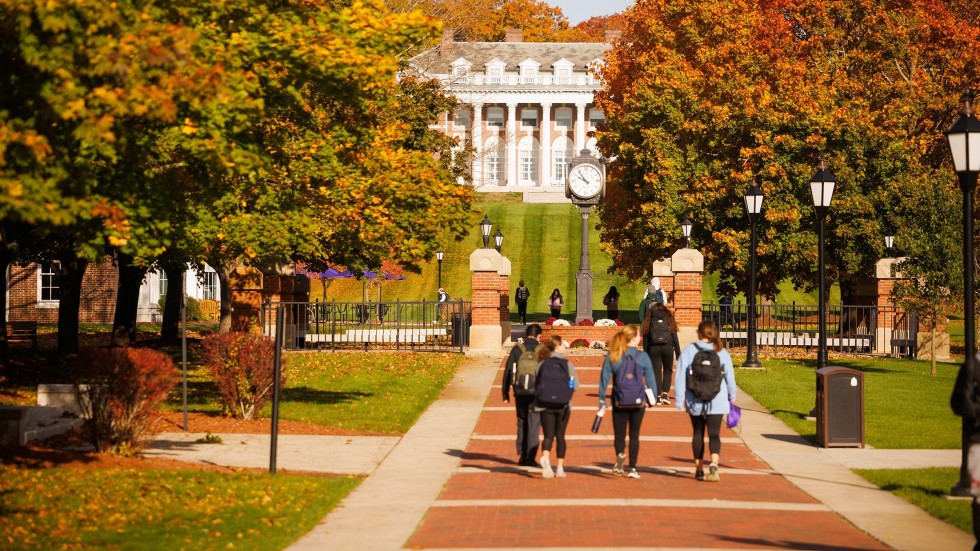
561, 155
493, 164
563, 117
163, 282
495, 75
527, 160
495, 116
529, 117
596, 117
209, 286
47, 284
529, 75
563, 75
461, 117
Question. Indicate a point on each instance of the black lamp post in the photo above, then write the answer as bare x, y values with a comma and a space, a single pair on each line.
439, 260
498, 240
964, 145
753, 206
686, 226
822, 186
485, 226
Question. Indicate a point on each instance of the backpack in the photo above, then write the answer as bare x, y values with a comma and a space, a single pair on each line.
629, 391
554, 386
525, 371
659, 331
522, 294
705, 375
660, 297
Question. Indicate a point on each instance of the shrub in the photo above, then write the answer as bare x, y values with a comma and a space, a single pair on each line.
580, 343
560, 323
118, 389
242, 365
586, 322
598, 345
193, 308
550, 321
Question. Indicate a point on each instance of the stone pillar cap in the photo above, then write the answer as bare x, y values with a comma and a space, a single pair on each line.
488, 260
687, 260
885, 268
661, 268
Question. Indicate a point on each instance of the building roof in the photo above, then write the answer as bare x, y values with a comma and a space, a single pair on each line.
439, 60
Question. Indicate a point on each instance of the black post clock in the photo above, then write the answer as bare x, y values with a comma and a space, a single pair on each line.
585, 186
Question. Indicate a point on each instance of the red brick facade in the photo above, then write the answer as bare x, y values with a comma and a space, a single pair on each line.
98, 300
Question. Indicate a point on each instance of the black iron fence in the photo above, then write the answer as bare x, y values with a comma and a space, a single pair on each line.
855, 329
417, 326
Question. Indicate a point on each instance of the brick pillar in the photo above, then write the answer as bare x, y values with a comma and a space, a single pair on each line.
491, 290
687, 266
246, 286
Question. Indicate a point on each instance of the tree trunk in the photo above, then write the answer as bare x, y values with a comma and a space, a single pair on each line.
127, 302
5, 258
170, 328
69, 276
932, 346
224, 270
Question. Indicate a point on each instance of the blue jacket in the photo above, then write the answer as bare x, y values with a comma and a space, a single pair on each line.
608, 369
719, 404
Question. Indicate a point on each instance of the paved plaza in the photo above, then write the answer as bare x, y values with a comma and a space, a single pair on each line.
452, 482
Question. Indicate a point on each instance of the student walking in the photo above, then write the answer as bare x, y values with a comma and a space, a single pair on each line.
520, 297
661, 344
555, 302
519, 374
611, 301
556, 382
627, 368
704, 387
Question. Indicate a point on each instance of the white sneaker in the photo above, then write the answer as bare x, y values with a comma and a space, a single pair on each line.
712, 473
633, 474
618, 468
546, 467
560, 472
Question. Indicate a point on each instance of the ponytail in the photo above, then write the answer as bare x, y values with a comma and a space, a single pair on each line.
550, 345
707, 330
620, 342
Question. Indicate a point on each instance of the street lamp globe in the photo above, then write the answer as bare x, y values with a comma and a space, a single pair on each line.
753, 199
889, 242
485, 227
964, 141
439, 256
498, 239
686, 226
822, 186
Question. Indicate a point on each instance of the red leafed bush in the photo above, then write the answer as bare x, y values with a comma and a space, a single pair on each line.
550, 321
618, 322
579, 343
586, 322
119, 388
242, 365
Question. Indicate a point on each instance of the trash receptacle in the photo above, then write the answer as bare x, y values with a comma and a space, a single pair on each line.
840, 407
461, 329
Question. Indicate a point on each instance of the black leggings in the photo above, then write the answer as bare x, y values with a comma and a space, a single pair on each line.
714, 434
621, 418
662, 358
553, 423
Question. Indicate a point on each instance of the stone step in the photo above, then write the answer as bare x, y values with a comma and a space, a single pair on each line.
22, 424
52, 427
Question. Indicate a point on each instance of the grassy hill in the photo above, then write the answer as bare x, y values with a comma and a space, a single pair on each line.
542, 242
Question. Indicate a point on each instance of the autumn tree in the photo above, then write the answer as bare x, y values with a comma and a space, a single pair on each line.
702, 97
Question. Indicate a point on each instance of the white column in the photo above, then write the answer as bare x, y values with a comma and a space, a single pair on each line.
579, 127
512, 144
545, 155
477, 130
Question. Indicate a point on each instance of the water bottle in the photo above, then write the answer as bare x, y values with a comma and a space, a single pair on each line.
571, 382
598, 419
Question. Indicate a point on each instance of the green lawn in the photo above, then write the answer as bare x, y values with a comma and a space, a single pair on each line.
904, 406
159, 509
926, 489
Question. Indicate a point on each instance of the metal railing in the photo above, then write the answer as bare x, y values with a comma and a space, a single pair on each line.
412, 326
853, 329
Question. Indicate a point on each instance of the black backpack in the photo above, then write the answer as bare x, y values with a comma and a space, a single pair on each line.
525, 371
659, 331
705, 375
554, 384
522, 294
629, 390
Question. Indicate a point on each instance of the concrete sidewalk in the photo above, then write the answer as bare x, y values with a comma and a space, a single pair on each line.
419, 479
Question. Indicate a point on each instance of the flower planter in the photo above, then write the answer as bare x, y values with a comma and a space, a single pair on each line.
587, 332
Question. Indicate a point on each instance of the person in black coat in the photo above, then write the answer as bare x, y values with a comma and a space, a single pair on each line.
662, 355
528, 421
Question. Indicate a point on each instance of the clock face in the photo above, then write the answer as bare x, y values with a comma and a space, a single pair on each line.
585, 181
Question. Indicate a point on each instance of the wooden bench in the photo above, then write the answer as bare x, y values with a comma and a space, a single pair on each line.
23, 331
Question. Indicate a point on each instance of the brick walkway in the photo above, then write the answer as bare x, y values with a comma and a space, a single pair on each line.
490, 502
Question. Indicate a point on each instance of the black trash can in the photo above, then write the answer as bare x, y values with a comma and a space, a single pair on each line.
461, 329
840, 407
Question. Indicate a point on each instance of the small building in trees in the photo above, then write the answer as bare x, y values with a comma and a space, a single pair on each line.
527, 108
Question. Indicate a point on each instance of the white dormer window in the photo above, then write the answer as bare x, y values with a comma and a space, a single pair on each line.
563, 71
460, 70
529, 71
495, 72
529, 118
